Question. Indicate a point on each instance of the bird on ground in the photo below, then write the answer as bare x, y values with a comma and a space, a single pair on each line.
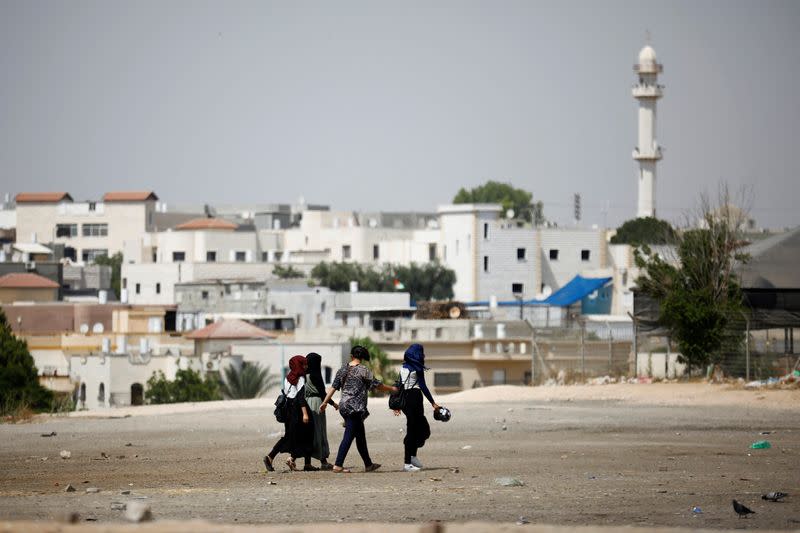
741, 510
774, 496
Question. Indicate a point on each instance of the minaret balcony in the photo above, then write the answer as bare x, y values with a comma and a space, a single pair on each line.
652, 155
648, 68
647, 91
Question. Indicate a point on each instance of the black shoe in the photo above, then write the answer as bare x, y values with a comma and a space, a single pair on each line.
268, 463
373, 467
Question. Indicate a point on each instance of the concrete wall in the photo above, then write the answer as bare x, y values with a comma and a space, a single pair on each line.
11, 294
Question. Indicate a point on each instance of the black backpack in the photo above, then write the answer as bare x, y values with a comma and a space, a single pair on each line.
280, 407
397, 400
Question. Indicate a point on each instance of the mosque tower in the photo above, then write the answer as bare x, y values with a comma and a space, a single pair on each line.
647, 91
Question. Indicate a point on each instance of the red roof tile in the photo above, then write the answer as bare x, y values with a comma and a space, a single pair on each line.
129, 196
207, 223
230, 329
42, 197
26, 280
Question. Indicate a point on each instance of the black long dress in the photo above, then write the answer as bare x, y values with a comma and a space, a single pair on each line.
298, 439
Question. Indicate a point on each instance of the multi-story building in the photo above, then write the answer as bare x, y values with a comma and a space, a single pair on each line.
86, 229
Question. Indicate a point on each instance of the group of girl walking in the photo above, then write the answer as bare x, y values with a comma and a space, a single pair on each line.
306, 432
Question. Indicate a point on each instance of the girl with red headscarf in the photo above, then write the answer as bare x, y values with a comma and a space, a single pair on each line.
298, 438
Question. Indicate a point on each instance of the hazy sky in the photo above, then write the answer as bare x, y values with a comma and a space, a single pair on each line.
394, 106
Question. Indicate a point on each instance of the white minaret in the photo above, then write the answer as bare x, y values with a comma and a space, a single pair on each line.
647, 153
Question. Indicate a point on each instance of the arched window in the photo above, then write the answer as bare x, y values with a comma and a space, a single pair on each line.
137, 394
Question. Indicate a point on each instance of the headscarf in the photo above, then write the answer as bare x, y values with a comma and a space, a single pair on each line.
297, 368
314, 371
414, 358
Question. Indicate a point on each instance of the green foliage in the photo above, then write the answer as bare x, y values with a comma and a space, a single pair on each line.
378, 362
494, 192
645, 230
430, 281
19, 379
249, 381
700, 300
115, 262
287, 272
188, 386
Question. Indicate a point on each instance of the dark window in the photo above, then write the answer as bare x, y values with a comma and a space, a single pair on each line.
178, 257
138, 288
241, 257
211, 257
158, 288
486, 263
95, 230
521, 254
70, 253
124, 283
376, 252
204, 295
346, 251
432, 252
584, 255
377, 325
388, 325
264, 257
89, 255
486, 231
447, 379
66, 230
92, 206
328, 374
516, 288
554, 255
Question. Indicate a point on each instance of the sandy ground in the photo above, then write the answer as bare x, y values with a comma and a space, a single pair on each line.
636, 455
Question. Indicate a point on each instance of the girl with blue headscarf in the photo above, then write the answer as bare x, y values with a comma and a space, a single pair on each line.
412, 376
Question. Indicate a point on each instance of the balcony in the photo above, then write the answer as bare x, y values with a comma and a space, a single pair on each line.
651, 155
648, 68
647, 91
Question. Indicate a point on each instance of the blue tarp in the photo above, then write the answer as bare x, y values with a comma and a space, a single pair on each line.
577, 289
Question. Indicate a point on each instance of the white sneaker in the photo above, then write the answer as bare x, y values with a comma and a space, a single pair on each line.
410, 468
416, 462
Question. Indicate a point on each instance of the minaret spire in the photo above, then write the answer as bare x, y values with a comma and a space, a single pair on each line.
647, 91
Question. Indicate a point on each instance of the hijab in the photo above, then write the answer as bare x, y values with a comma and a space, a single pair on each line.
414, 358
315, 371
297, 368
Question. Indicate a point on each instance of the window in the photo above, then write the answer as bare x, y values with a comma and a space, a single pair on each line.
158, 288
520, 254
241, 257
485, 231
178, 257
95, 230
90, 254
264, 257
447, 379
553, 254
516, 288
585, 255
413, 334
70, 253
278, 257
204, 295
438, 333
138, 288
376, 251
388, 325
124, 283
66, 230
211, 257
92, 206
432, 252
486, 263
346, 251
377, 325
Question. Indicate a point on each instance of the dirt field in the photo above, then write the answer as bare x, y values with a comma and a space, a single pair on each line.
640, 455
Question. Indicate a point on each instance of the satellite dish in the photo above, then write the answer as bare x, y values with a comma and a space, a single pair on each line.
593, 295
455, 312
546, 291
84, 328
97, 328
510, 214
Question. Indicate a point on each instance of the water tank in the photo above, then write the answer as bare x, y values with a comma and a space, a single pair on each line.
353, 286
122, 344
501, 331
276, 224
478, 331
123, 296
106, 345
144, 346
493, 301
102, 297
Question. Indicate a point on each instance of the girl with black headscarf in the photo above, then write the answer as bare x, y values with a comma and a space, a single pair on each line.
412, 375
299, 432
315, 392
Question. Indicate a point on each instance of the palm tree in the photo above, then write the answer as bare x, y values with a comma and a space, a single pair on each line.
247, 381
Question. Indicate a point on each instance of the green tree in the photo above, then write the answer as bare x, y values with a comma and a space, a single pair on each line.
247, 381
645, 230
699, 299
287, 272
115, 262
505, 194
19, 379
424, 282
188, 386
379, 361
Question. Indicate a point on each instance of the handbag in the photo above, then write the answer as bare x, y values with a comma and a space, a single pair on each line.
280, 407
397, 400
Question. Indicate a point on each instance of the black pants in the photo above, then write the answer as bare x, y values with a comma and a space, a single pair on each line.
353, 429
417, 428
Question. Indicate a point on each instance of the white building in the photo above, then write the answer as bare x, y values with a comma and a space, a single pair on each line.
647, 91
